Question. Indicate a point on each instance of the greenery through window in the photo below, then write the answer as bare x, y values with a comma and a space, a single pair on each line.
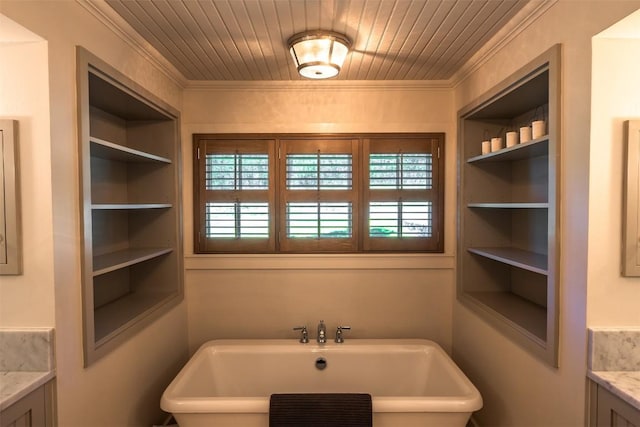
314, 193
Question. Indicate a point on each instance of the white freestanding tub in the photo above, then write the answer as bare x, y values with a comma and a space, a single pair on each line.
412, 382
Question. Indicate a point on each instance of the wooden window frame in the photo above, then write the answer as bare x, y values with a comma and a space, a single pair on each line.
202, 196
409, 143
312, 145
361, 145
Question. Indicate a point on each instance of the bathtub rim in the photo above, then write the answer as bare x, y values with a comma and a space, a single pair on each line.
463, 403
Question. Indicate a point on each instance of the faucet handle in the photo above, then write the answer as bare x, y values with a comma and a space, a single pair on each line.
304, 335
339, 339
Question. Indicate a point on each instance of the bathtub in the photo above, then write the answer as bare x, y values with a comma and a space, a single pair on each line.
412, 382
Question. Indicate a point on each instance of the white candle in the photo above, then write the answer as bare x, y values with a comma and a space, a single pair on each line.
496, 144
486, 147
538, 129
525, 134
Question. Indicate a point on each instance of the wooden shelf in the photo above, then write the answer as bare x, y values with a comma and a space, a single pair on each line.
107, 263
521, 314
508, 237
509, 205
130, 206
131, 221
525, 260
534, 148
112, 151
517, 99
121, 101
112, 319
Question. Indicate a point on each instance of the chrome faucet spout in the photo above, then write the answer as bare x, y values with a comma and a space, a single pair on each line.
322, 333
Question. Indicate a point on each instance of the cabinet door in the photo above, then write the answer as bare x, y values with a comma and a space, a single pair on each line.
27, 412
614, 412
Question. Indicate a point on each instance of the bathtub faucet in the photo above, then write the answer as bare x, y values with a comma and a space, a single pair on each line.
322, 333
339, 338
304, 335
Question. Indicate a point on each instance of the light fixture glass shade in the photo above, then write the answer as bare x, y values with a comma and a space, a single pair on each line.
319, 54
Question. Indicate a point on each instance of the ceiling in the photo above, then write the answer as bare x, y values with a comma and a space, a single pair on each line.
247, 39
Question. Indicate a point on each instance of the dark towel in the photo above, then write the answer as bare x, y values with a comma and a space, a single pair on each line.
320, 410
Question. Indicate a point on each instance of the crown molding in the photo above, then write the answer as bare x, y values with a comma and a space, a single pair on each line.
309, 85
523, 19
110, 18
530, 13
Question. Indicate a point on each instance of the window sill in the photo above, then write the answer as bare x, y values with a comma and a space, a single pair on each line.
320, 262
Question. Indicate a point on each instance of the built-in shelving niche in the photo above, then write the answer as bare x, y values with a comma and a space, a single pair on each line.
508, 238
131, 214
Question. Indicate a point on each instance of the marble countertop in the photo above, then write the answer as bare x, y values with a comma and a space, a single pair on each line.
26, 362
15, 385
614, 361
624, 384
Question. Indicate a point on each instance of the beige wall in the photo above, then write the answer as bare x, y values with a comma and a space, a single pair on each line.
27, 300
123, 388
612, 299
519, 390
265, 296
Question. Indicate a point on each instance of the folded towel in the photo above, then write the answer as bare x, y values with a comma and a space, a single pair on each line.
320, 410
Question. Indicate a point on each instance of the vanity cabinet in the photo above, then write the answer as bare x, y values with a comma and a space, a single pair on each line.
131, 213
508, 240
33, 410
608, 410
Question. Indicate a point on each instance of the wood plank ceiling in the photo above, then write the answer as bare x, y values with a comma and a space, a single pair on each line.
247, 39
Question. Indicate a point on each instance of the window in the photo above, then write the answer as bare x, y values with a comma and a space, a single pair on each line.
403, 194
319, 195
313, 193
235, 197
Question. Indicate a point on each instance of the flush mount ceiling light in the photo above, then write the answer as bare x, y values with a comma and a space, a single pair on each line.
319, 54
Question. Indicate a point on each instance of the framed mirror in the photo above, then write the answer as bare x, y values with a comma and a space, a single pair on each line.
10, 230
631, 201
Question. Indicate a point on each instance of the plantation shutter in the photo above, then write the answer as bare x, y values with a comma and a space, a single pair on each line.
237, 201
403, 194
319, 195
310, 193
